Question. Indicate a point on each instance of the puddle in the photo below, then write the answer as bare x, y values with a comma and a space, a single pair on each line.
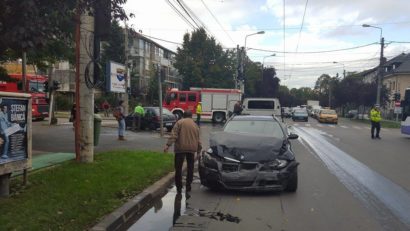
163, 212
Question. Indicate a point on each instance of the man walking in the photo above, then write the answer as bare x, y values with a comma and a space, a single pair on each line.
198, 113
139, 113
237, 108
119, 115
375, 118
185, 137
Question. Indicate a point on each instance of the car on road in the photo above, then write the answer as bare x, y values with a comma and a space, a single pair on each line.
151, 119
352, 114
327, 116
300, 115
287, 113
252, 153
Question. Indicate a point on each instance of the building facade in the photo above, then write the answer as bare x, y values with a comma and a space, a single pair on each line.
145, 55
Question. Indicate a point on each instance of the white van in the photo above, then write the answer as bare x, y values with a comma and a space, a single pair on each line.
261, 106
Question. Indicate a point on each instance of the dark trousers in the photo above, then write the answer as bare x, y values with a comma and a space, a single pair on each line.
178, 162
198, 119
375, 125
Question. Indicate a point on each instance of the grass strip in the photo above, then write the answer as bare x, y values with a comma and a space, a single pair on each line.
74, 196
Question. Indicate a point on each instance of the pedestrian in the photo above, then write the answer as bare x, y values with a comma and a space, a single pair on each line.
185, 137
237, 108
106, 106
138, 115
375, 118
73, 114
198, 113
119, 114
4, 124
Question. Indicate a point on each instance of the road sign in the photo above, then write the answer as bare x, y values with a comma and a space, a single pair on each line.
398, 110
397, 103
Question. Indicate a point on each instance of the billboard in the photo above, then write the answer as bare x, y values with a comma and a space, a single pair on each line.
116, 77
13, 129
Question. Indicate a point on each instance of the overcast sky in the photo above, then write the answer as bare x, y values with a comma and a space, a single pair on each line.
327, 25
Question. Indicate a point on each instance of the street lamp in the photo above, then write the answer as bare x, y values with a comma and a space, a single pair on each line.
344, 70
263, 63
243, 55
380, 71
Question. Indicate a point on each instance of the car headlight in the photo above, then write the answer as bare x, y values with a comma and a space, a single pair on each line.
208, 160
276, 164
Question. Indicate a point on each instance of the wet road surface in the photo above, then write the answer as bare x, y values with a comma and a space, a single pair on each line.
346, 182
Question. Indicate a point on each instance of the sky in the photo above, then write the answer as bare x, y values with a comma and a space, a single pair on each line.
298, 34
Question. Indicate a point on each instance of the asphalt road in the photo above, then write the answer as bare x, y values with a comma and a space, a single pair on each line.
347, 181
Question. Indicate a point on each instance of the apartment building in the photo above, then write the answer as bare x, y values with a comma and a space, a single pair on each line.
144, 55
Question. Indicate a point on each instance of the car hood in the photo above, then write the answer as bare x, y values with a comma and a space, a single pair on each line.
245, 147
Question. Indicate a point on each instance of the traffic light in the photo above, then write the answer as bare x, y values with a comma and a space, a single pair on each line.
46, 86
56, 85
397, 96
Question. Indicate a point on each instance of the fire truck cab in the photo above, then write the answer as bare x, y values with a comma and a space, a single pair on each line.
35, 87
216, 103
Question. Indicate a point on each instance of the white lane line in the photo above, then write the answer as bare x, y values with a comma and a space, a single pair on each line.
373, 189
332, 126
307, 125
342, 126
319, 125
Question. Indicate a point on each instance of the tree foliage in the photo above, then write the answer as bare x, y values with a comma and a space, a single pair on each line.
203, 63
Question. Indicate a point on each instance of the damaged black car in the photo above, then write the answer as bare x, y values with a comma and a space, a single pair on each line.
252, 153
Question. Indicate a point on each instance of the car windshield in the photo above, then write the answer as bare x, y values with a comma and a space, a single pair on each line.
258, 127
164, 111
329, 112
300, 113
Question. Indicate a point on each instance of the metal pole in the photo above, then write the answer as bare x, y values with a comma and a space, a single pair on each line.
77, 88
236, 78
161, 123
24, 71
126, 67
380, 74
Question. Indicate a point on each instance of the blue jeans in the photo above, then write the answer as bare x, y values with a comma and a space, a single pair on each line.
5, 153
121, 127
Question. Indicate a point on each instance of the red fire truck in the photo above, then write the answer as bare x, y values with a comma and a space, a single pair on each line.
35, 87
216, 103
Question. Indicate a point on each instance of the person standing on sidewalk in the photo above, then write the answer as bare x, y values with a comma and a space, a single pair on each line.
185, 137
139, 113
198, 113
375, 118
119, 115
106, 106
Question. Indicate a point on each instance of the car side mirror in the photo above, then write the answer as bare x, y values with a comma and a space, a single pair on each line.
293, 136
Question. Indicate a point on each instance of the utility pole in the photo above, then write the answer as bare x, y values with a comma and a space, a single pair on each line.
84, 122
380, 74
126, 106
242, 70
161, 122
236, 77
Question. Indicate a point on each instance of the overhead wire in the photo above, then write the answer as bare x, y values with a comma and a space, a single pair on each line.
181, 15
216, 19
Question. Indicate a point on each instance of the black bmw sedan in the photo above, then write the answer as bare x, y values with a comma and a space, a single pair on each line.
252, 153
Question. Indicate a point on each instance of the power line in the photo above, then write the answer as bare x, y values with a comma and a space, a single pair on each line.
181, 15
315, 52
217, 21
186, 12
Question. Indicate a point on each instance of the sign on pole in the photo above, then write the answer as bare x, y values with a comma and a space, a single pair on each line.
116, 77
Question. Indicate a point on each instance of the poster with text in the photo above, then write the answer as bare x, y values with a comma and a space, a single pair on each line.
13, 129
116, 79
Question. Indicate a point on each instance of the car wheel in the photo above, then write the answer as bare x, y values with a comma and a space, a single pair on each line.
178, 114
292, 182
219, 117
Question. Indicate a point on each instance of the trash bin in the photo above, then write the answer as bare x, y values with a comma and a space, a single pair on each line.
97, 128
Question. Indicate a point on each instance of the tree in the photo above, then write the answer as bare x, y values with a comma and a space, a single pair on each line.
270, 83
203, 63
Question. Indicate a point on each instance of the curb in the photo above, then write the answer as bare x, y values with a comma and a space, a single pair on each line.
121, 216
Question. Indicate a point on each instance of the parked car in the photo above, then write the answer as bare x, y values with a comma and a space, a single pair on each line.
287, 113
151, 119
327, 116
300, 115
252, 153
352, 114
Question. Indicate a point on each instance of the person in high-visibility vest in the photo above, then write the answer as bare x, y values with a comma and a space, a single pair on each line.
138, 114
198, 113
375, 118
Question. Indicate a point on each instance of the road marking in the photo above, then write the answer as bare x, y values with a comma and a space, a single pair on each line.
332, 126
308, 125
357, 127
342, 126
377, 192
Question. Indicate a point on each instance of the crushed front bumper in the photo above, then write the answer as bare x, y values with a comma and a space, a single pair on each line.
249, 177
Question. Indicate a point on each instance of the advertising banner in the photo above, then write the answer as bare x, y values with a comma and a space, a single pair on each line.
13, 129
116, 77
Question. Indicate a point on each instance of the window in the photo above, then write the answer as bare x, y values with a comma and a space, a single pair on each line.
261, 104
182, 97
191, 97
